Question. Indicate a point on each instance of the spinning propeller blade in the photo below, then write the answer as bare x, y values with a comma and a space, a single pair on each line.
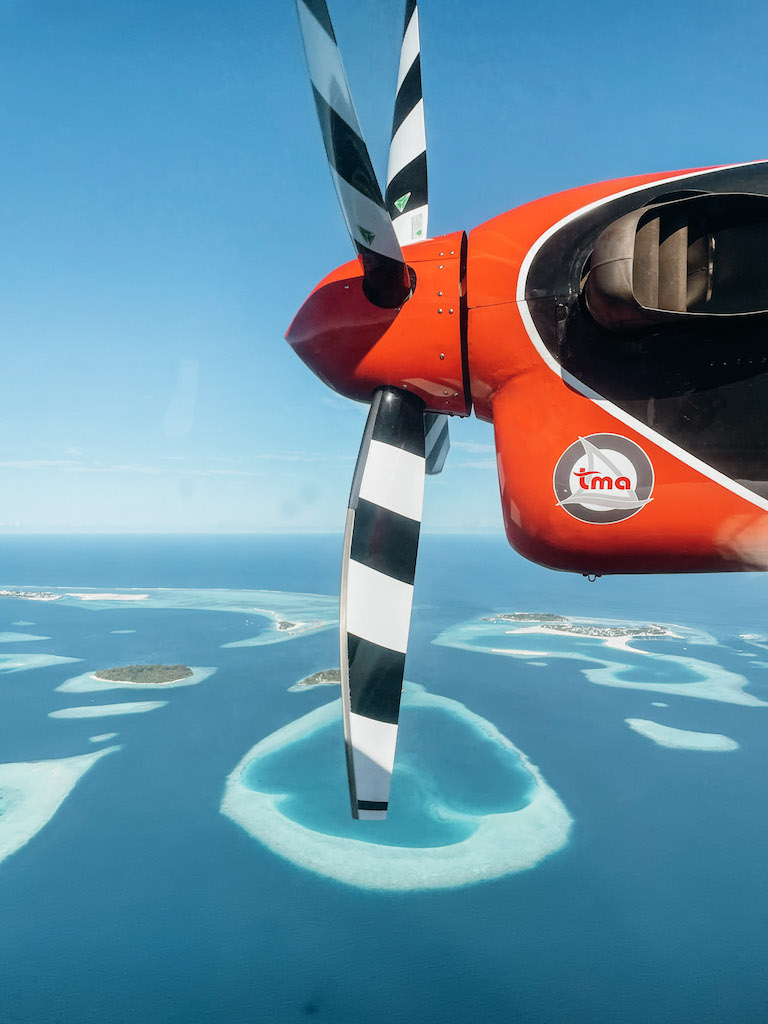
386, 279
436, 441
401, 441
406, 195
380, 544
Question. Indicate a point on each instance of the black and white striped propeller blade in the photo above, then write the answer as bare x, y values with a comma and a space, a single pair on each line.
406, 197
385, 274
380, 545
437, 441
406, 193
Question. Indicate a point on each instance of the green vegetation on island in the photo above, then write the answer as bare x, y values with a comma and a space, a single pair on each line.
561, 624
31, 595
326, 677
526, 617
144, 673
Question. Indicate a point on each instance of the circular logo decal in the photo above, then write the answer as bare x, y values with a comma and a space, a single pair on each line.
603, 478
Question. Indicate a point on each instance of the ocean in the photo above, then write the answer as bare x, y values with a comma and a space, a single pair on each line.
139, 900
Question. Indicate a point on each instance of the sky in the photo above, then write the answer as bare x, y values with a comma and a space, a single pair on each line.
166, 207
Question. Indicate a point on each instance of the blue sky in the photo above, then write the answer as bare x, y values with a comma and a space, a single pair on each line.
166, 207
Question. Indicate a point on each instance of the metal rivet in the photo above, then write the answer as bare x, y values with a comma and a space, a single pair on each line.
439, 293
442, 355
442, 254
450, 310
452, 253
455, 394
439, 311
445, 392
440, 267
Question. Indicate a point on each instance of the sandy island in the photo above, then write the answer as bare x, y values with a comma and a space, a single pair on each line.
325, 677
278, 629
103, 710
709, 681
681, 739
88, 682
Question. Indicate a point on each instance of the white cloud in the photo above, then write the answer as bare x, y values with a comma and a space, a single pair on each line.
484, 464
473, 447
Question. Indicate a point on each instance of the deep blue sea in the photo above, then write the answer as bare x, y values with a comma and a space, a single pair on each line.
139, 901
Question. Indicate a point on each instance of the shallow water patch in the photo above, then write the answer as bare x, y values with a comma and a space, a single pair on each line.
442, 831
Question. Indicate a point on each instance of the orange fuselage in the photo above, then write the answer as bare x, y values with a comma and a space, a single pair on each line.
466, 339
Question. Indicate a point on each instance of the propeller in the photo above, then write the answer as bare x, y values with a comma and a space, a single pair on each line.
406, 195
386, 278
379, 562
402, 440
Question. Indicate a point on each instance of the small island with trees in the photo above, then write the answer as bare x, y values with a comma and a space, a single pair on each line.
326, 677
144, 674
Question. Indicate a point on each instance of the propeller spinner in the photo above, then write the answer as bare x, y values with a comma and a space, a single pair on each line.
387, 333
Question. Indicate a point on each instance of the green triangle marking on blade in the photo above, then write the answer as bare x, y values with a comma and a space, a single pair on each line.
402, 202
367, 236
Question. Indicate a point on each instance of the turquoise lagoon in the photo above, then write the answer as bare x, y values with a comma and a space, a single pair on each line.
544, 860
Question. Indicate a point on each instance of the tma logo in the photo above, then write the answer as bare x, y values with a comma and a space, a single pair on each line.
598, 483
603, 478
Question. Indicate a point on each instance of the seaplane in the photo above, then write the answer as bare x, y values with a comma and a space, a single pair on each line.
613, 334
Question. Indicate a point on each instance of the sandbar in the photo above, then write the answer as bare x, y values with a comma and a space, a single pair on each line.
279, 629
103, 710
24, 662
289, 615
88, 683
102, 737
20, 638
498, 844
710, 681
681, 739
31, 793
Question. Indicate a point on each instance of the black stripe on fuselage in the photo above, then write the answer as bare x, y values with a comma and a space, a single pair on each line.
346, 151
408, 95
411, 178
385, 541
375, 680
400, 421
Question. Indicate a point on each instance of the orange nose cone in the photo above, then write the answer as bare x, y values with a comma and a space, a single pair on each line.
355, 347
